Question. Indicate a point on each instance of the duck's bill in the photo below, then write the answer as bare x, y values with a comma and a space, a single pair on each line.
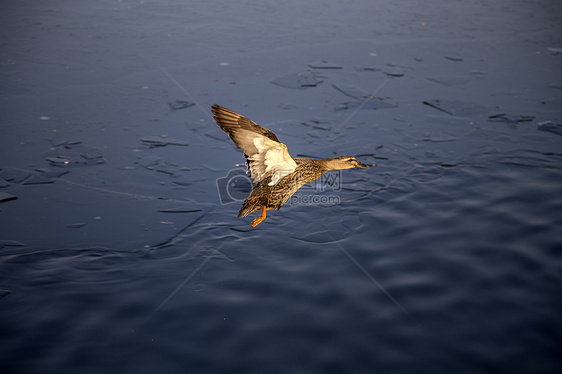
363, 166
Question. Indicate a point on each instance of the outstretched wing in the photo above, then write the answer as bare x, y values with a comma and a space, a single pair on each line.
266, 155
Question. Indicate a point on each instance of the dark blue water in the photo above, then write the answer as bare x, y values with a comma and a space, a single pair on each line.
120, 250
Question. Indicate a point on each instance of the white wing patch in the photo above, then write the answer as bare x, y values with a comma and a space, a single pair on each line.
272, 159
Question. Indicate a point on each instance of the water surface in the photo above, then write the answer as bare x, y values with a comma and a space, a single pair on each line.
119, 254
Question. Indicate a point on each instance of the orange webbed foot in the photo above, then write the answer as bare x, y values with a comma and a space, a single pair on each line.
259, 220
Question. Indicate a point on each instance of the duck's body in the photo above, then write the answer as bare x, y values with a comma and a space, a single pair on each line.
273, 197
276, 175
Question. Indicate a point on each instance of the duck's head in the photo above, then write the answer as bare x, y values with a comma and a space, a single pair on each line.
344, 162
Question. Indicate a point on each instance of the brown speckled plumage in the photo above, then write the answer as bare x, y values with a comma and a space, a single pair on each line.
277, 175
273, 197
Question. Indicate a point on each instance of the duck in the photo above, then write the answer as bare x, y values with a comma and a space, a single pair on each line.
275, 175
